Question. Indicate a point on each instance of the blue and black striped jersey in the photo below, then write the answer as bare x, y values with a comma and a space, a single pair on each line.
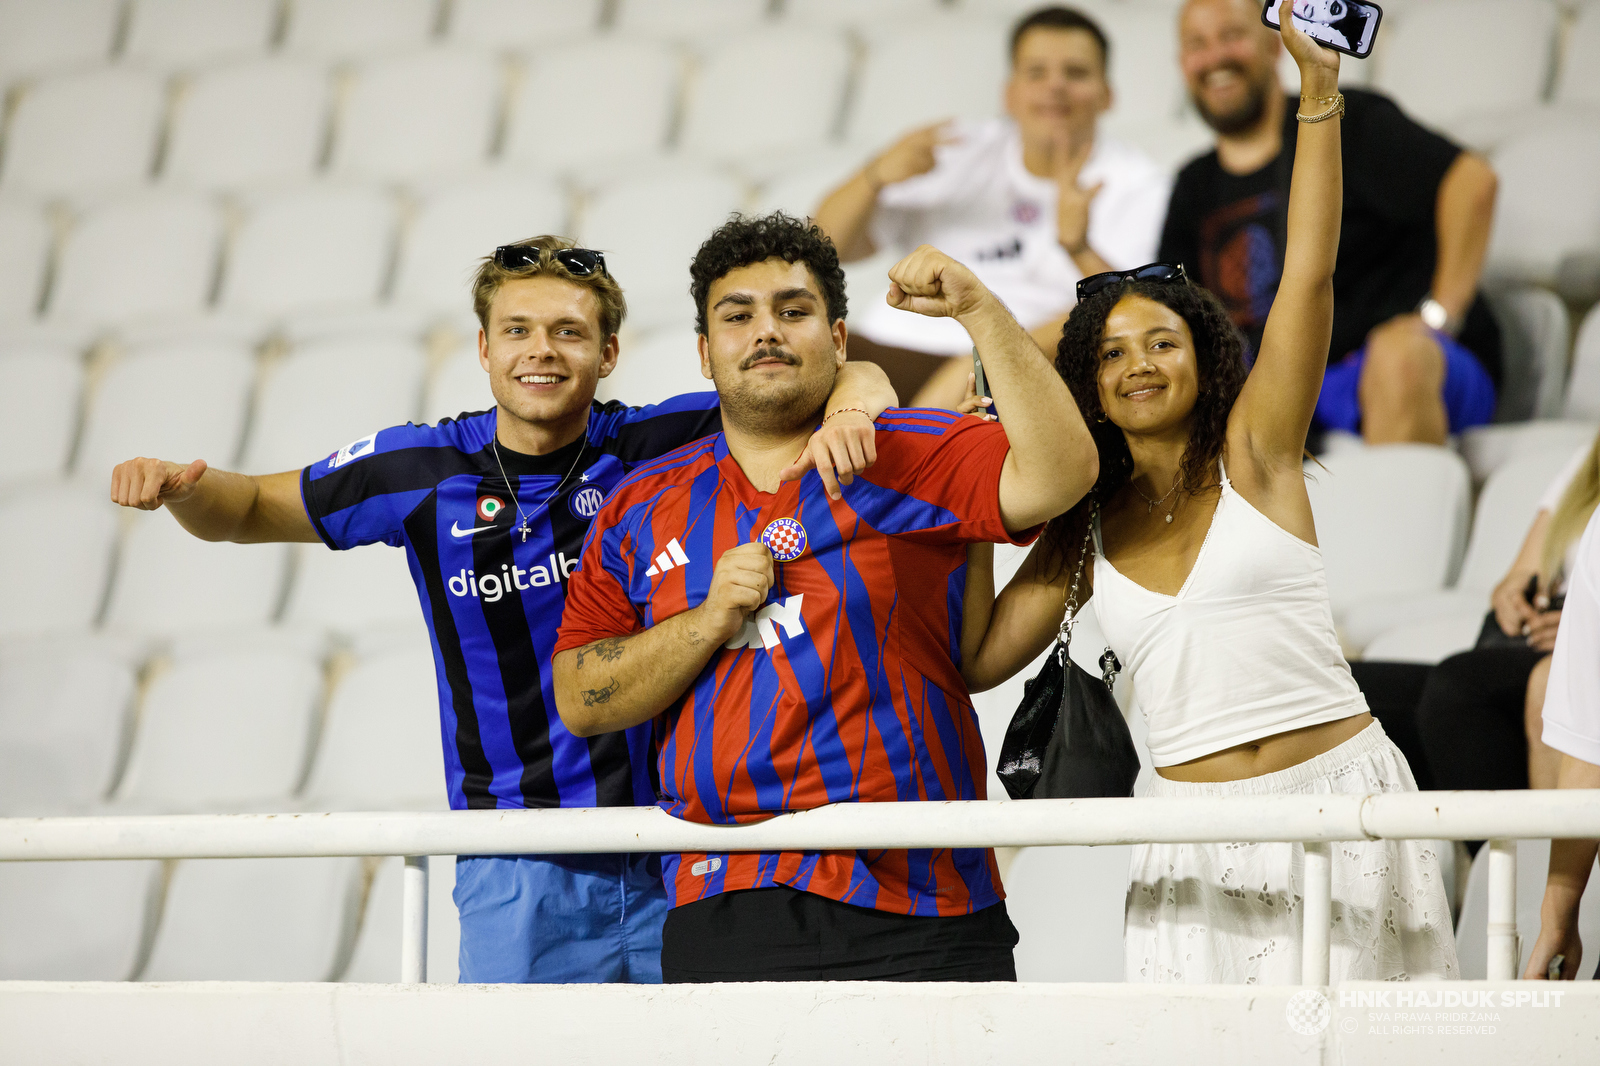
491, 562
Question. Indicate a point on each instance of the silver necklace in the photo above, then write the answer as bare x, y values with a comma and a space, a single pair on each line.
1176, 481
523, 518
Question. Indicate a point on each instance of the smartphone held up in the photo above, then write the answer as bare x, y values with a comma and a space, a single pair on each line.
1348, 26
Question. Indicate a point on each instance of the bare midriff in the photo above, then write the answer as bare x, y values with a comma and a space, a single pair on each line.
1268, 755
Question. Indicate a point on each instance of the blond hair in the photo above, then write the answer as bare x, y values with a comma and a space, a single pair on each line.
1572, 514
491, 275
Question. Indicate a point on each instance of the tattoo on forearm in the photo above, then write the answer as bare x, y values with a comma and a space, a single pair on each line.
601, 695
607, 651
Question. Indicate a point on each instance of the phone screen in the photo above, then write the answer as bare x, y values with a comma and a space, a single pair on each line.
1347, 26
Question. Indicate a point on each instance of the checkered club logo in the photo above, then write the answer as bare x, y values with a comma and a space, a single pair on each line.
786, 539
1308, 1012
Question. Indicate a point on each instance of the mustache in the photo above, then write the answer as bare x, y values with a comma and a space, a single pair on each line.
779, 354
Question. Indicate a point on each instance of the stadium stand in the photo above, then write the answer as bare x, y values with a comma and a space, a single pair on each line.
250, 124
38, 37
39, 392
24, 248
85, 921
411, 115
377, 952
167, 249
499, 23
172, 33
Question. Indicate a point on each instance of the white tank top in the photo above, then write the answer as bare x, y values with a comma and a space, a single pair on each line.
1245, 650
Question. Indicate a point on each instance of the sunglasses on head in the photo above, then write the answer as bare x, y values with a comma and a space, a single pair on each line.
580, 262
1149, 272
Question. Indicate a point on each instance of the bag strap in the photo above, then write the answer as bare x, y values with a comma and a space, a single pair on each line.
1070, 619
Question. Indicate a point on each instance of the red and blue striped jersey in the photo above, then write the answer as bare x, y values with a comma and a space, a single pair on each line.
845, 686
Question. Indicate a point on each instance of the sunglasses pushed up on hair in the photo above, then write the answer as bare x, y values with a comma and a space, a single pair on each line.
1095, 283
579, 262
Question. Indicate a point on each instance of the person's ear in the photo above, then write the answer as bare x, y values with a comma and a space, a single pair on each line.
608, 355
841, 343
703, 345
483, 349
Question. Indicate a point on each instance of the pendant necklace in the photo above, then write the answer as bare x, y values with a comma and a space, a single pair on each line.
1153, 504
523, 518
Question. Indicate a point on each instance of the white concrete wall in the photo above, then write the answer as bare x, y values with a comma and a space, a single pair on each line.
1368, 1023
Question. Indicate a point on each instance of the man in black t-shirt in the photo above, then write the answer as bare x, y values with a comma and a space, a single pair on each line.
1415, 353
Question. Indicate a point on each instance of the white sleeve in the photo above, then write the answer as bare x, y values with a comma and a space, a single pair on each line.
1558, 488
1572, 698
1127, 232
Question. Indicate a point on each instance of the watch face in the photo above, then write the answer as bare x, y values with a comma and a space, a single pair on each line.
1433, 313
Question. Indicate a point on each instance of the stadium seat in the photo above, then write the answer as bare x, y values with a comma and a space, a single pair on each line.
1579, 81
65, 714
24, 251
166, 247
689, 16
459, 386
461, 223
180, 32
257, 920
822, 13
322, 246
352, 591
1508, 45
1426, 642
725, 75
1548, 211
80, 132
1391, 521
419, 113
249, 124
1536, 335
800, 190
498, 23
380, 747
54, 583
1506, 508
37, 37
1583, 386
969, 56
591, 102
377, 954
169, 581
1067, 904
76, 921
648, 249
224, 731
39, 395
1487, 448
657, 367
339, 28
329, 393
1533, 864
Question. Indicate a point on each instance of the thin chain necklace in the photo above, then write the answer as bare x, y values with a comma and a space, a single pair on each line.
523, 518
1177, 479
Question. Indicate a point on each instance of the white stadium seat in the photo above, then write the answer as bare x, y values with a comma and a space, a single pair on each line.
1488, 448
458, 387
24, 250
329, 393
1067, 904
689, 16
1579, 82
324, 246
225, 730
1508, 46
1391, 520
377, 954
726, 75
800, 190
497, 23
592, 101
132, 413
655, 368
339, 28
1583, 387
169, 581
1145, 78
1549, 205
257, 920
353, 591
969, 56
37, 36
193, 31
1533, 864
837, 12
165, 246
381, 747
456, 227
648, 249
64, 719
1536, 334
419, 113
76, 921
55, 556
249, 123
39, 393
79, 132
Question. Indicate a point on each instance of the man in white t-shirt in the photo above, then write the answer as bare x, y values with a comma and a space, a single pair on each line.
1031, 203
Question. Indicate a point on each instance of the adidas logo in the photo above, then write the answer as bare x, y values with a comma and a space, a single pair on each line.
669, 559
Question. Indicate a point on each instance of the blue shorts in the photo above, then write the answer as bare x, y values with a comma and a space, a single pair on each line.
1469, 397
560, 919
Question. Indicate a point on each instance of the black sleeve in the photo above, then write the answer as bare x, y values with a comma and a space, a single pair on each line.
1392, 164
1180, 242
645, 433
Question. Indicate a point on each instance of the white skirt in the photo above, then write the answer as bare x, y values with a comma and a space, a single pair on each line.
1230, 913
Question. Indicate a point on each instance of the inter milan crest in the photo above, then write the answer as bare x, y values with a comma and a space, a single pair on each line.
489, 507
586, 502
786, 539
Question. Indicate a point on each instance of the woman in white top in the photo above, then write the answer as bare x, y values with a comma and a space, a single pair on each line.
1209, 587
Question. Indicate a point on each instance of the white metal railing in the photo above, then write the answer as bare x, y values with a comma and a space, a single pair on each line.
1316, 821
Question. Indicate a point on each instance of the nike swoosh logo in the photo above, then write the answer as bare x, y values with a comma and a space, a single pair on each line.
457, 531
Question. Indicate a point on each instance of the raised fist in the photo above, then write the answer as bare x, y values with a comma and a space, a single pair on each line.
931, 283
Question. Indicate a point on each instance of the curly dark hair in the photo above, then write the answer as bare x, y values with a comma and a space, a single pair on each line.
1219, 358
746, 239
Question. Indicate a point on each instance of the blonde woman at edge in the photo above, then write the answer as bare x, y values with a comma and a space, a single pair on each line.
1209, 587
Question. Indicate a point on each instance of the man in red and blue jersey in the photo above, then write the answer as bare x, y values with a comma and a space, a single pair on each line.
801, 649
491, 508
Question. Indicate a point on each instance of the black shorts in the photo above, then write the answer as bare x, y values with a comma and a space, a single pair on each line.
783, 934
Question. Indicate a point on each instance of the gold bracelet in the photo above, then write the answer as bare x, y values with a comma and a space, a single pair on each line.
1334, 110
842, 410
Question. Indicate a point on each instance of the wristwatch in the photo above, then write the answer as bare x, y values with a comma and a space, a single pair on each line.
1434, 315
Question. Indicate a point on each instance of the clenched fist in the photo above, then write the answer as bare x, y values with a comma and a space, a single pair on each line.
738, 587
930, 283
149, 483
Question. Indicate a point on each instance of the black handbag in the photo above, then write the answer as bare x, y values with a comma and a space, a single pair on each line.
1068, 739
